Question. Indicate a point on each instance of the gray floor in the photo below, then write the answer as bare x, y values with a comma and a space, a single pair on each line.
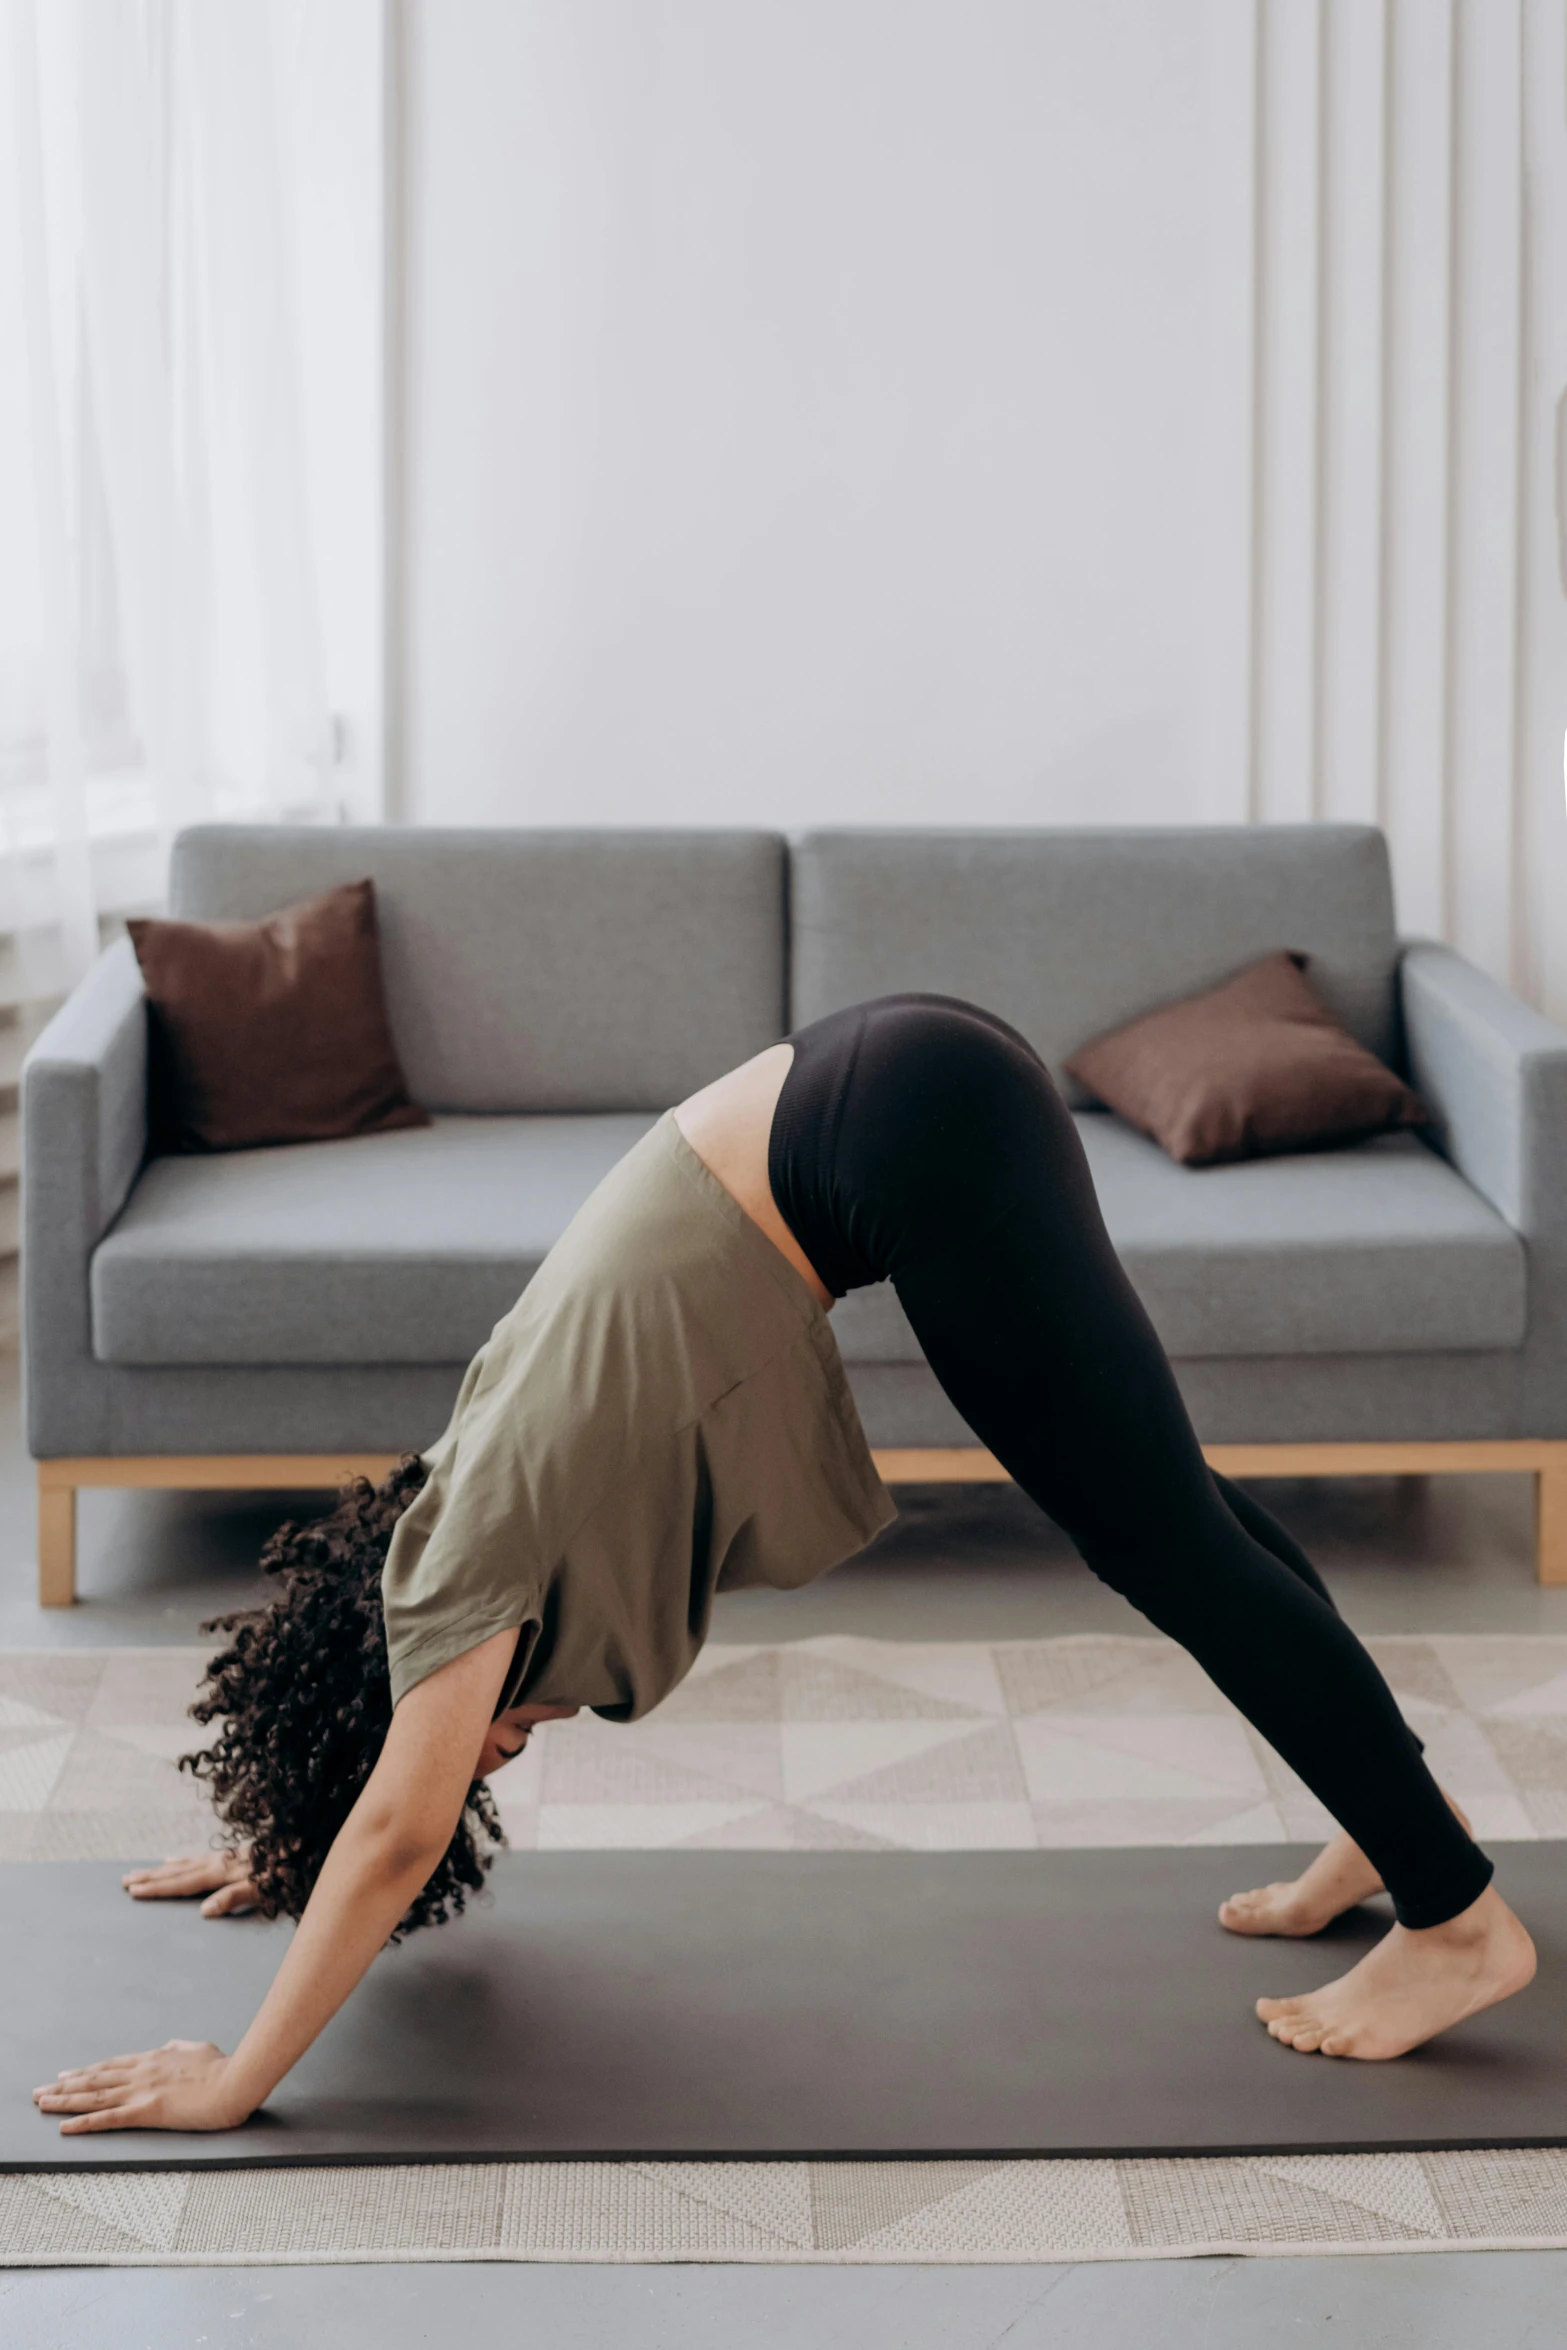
1436, 1555
1421, 2301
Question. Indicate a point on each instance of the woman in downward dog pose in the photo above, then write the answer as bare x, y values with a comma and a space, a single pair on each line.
663, 1415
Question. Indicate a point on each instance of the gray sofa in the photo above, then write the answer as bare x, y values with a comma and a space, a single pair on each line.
271, 1316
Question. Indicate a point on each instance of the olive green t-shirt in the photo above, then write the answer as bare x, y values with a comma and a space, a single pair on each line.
663, 1414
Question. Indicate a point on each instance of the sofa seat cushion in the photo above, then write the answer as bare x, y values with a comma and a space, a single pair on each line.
390, 1248
1378, 1249
407, 1248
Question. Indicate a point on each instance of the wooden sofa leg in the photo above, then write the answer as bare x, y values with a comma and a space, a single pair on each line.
1551, 1517
56, 1544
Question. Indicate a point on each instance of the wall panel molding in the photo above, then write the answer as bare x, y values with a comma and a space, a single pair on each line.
1540, 944
1407, 653
1354, 412
1289, 473
1483, 605
1231, 451
1418, 478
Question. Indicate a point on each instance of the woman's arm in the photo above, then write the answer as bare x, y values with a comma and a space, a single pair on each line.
385, 1850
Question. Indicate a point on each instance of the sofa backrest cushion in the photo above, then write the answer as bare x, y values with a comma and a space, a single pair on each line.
543, 971
1069, 933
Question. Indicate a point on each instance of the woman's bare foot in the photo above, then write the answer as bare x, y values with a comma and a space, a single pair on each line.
1339, 1877
1416, 1983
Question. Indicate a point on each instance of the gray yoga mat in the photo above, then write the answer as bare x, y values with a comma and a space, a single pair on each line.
689, 2004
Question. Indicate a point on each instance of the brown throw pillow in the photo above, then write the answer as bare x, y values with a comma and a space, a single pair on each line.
1253, 1067
271, 1031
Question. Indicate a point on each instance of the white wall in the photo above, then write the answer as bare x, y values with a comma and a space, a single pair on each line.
1396, 647
803, 402
993, 410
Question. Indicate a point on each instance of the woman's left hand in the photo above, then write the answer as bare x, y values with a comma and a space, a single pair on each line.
180, 2086
385, 1851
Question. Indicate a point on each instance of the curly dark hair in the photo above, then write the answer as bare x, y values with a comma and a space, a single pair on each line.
304, 1697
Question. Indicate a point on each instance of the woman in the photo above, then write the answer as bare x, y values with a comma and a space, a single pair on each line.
664, 1414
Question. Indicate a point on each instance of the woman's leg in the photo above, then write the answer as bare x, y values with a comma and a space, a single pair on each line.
965, 1175
1340, 1875
960, 1174
1263, 1527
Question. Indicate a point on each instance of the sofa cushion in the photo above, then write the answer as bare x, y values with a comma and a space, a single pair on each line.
391, 1248
1379, 1249
1069, 934
536, 971
272, 1031
407, 1248
1252, 1068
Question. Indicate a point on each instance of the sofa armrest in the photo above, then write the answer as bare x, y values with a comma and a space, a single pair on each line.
84, 1136
1495, 1073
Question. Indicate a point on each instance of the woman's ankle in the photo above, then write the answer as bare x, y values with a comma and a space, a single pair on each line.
1485, 1919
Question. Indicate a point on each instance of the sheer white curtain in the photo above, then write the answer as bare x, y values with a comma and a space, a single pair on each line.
160, 638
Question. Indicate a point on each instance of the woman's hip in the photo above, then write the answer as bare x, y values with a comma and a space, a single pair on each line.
904, 1114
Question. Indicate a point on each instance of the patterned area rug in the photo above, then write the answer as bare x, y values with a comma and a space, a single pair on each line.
788, 2213
835, 1743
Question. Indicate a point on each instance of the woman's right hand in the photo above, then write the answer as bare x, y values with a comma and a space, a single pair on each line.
223, 1876
184, 2085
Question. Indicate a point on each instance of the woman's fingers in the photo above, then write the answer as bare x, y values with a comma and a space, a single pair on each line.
74, 2096
186, 1874
84, 2100
234, 1901
182, 1876
117, 2066
136, 2115
111, 2072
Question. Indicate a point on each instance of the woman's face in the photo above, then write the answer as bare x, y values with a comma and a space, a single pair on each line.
508, 1733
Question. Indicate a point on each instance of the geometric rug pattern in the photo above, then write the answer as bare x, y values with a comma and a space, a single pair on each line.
827, 1744
838, 1744
816, 2213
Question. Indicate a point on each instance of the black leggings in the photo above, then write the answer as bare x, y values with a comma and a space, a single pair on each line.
920, 1140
